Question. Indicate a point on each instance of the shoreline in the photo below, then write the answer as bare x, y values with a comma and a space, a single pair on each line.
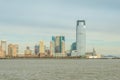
53, 58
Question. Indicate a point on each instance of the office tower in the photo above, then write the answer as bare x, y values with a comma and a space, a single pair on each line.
42, 47
12, 50
28, 52
3, 46
1, 53
62, 44
52, 46
80, 37
58, 44
15, 50
36, 49
52, 49
63, 47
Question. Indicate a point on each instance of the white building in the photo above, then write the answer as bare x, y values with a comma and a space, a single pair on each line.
81, 37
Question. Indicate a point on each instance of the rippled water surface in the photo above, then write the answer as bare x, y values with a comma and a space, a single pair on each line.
59, 69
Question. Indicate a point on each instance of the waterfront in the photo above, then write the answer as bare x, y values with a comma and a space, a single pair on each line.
59, 69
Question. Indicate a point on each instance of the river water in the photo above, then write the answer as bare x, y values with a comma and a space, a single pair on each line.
60, 69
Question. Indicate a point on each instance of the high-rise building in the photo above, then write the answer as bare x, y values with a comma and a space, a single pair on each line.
63, 47
52, 49
42, 47
57, 45
36, 49
62, 44
80, 37
12, 50
2, 55
3, 46
52, 46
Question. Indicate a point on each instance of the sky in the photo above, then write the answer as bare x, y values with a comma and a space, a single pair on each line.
26, 22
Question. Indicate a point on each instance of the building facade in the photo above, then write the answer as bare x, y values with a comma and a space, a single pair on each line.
42, 49
13, 50
80, 37
2, 55
28, 52
73, 46
57, 46
36, 49
52, 48
3, 47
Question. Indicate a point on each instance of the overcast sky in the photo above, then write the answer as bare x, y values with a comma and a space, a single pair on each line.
26, 22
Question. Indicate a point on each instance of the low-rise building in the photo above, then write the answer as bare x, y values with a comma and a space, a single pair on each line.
92, 54
28, 52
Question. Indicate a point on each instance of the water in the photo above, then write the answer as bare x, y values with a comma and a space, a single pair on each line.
59, 69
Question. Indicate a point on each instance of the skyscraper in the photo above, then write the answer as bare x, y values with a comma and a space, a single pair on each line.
62, 44
63, 47
52, 46
1, 53
52, 49
12, 50
42, 47
57, 45
80, 37
36, 49
3, 46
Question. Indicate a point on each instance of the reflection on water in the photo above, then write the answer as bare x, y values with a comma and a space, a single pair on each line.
59, 69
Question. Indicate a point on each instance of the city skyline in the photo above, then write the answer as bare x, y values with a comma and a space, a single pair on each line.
27, 22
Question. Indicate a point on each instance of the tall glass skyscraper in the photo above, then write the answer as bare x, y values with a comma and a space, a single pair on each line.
81, 37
